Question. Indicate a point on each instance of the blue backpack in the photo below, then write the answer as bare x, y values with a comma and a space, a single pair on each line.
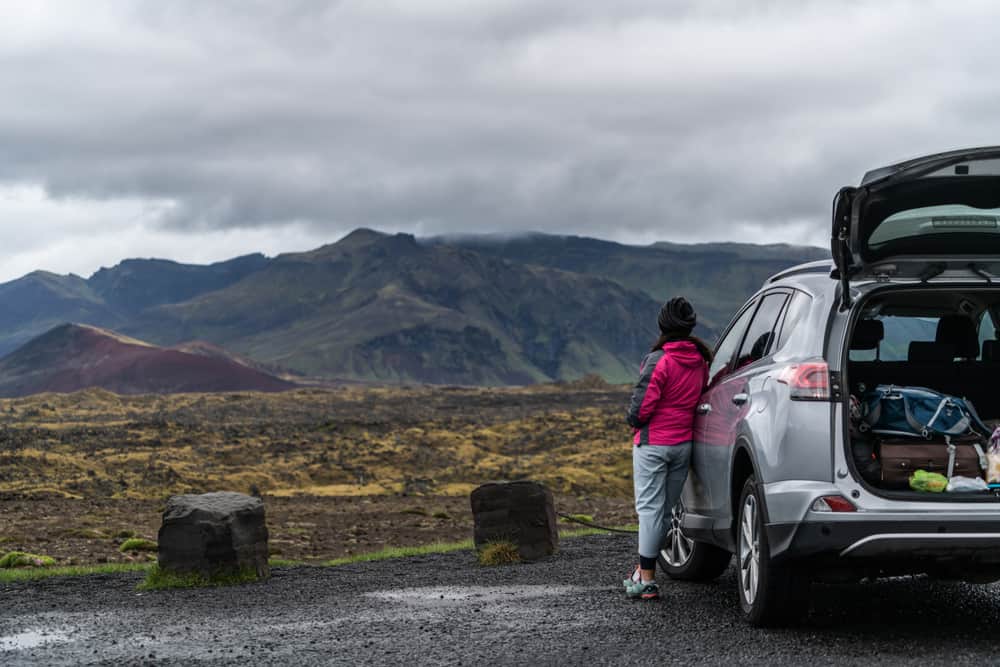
919, 412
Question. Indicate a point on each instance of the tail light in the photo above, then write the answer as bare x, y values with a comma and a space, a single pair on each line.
833, 504
808, 381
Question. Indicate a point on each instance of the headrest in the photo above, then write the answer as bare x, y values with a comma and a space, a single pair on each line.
921, 350
960, 331
991, 350
867, 335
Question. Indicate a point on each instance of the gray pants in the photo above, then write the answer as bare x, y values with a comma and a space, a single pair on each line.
658, 473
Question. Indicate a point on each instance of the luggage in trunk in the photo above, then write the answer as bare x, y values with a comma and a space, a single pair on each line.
903, 456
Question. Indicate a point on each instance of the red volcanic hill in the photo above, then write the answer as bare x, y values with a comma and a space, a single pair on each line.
71, 357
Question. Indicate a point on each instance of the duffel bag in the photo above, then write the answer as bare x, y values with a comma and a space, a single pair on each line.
918, 412
902, 457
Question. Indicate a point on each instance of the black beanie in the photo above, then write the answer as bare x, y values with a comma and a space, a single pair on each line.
677, 317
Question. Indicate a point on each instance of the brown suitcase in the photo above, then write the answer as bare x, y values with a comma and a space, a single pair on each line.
901, 458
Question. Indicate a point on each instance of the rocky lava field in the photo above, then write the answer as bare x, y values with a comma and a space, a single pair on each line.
342, 471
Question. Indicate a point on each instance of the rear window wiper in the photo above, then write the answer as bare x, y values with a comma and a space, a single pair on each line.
981, 272
932, 271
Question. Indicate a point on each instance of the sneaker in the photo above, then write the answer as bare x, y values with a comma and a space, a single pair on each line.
640, 591
633, 578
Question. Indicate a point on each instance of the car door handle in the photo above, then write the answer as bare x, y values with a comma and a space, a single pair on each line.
741, 398
704, 409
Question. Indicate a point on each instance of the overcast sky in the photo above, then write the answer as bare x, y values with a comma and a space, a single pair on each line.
201, 130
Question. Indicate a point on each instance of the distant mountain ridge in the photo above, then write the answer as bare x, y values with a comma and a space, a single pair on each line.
392, 308
716, 277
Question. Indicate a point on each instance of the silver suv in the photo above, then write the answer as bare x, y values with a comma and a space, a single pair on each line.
911, 298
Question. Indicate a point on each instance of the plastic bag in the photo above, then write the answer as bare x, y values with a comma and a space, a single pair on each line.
959, 484
993, 458
932, 482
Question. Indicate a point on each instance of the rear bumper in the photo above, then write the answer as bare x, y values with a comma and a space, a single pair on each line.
887, 540
881, 529
934, 545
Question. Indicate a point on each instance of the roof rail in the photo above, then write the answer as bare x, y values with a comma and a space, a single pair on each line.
818, 266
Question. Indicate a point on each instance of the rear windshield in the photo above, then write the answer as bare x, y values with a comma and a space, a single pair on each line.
948, 221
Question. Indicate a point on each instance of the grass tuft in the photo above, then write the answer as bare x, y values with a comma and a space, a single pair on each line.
159, 580
14, 559
569, 518
137, 544
501, 552
32, 574
441, 515
402, 552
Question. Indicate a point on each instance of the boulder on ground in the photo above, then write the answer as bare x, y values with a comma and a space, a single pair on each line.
522, 512
214, 534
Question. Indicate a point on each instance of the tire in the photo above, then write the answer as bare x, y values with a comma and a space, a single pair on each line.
770, 594
686, 560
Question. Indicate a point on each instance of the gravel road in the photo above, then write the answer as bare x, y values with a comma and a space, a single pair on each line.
444, 609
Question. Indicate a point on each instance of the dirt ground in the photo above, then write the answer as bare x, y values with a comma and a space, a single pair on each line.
305, 528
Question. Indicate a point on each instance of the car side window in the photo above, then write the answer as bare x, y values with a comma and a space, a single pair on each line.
798, 306
760, 336
727, 346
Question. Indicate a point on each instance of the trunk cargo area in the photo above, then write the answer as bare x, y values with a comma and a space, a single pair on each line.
942, 338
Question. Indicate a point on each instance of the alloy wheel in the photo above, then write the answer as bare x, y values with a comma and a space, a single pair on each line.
749, 549
677, 547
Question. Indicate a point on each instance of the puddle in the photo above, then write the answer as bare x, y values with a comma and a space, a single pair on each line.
32, 639
459, 594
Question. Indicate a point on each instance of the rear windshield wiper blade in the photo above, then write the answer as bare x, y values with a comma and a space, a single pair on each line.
932, 271
982, 273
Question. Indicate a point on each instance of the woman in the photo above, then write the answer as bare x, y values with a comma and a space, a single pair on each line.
671, 380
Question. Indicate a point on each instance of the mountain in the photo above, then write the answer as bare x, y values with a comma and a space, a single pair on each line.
137, 284
390, 308
393, 308
716, 277
41, 300
203, 348
71, 357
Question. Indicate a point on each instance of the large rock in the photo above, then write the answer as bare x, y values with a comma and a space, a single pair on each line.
214, 534
521, 512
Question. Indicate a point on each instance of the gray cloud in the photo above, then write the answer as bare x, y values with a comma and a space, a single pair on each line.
634, 120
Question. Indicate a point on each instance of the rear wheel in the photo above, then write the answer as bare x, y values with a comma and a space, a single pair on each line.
684, 559
770, 594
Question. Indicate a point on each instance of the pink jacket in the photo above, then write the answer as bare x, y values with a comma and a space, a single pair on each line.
671, 381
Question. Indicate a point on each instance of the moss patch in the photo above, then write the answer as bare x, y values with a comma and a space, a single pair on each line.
501, 552
158, 580
14, 559
138, 544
